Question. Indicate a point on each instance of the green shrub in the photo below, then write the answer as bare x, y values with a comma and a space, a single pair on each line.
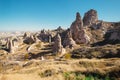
83, 76
67, 56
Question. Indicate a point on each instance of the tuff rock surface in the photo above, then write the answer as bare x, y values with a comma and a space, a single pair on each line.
90, 17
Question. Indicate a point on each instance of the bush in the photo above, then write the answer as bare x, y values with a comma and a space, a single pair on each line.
67, 56
27, 56
46, 73
83, 76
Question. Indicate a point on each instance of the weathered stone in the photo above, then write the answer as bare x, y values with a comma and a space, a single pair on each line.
59, 29
29, 40
36, 38
79, 33
57, 45
10, 46
26, 34
115, 36
50, 37
76, 26
83, 37
44, 36
90, 17
68, 41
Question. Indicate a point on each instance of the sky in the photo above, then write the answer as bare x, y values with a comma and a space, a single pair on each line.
34, 15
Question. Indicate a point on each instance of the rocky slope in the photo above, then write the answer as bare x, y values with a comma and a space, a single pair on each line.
87, 37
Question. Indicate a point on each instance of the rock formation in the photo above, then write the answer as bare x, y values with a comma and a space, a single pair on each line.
36, 38
114, 33
50, 39
26, 34
79, 34
83, 37
76, 26
90, 17
29, 40
44, 36
10, 46
57, 45
59, 29
68, 41
115, 36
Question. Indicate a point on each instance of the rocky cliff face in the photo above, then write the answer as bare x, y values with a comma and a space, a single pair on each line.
78, 31
76, 26
68, 40
91, 30
90, 17
83, 37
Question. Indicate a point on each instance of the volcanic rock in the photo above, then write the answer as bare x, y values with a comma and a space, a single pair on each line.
10, 46
90, 17
79, 33
29, 40
83, 37
68, 41
76, 26
44, 36
57, 45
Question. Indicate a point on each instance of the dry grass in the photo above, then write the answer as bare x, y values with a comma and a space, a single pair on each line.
3, 77
54, 70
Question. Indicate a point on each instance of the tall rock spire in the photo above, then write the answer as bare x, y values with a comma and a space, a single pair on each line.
10, 45
79, 34
90, 17
76, 25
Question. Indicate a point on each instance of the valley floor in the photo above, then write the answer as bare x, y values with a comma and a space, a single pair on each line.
61, 70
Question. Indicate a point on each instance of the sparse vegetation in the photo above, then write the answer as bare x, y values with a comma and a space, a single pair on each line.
27, 56
110, 51
82, 76
46, 73
67, 56
92, 52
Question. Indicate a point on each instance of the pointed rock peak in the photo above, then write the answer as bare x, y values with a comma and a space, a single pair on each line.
92, 11
78, 17
43, 31
59, 28
26, 34
90, 17
58, 36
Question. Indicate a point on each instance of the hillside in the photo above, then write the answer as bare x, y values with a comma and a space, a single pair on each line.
88, 50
